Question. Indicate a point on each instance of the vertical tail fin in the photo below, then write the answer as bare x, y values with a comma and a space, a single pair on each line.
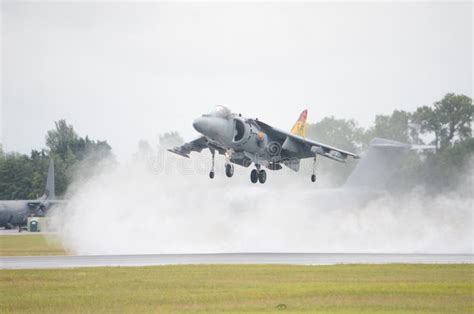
378, 165
300, 126
50, 188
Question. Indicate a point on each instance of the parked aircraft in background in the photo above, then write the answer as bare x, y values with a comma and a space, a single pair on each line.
15, 213
244, 141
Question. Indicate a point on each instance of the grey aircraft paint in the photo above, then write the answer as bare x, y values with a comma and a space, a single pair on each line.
244, 141
15, 213
372, 174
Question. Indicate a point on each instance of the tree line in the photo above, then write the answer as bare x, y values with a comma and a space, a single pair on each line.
23, 176
446, 125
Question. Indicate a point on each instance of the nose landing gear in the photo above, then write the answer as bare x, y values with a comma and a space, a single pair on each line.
229, 170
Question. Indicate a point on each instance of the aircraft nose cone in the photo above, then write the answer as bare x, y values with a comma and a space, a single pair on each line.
200, 125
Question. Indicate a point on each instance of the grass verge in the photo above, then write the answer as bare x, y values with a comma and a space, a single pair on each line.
242, 288
30, 244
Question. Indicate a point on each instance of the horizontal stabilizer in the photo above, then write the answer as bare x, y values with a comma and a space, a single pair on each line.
381, 142
423, 147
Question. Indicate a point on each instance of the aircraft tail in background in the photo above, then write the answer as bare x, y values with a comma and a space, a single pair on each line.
300, 126
381, 161
49, 191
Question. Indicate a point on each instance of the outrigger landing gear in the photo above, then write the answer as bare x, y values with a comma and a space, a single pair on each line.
258, 175
313, 176
212, 173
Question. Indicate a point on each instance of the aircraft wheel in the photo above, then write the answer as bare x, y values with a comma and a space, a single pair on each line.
229, 170
262, 176
254, 176
211, 174
313, 178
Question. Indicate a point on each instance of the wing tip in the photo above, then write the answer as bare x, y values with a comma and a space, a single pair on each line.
175, 151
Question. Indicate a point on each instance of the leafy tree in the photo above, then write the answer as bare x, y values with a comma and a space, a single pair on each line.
145, 153
63, 140
345, 134
74, 155
24, 177
339, 132
449, 120
170, 140
455, 114
144, 147
449, 168
15, 171
428, 122
395, 127
64, 143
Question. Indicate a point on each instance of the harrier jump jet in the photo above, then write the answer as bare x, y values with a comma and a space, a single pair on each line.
244, 141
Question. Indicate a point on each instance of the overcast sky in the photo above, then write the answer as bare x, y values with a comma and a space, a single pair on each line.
124, 72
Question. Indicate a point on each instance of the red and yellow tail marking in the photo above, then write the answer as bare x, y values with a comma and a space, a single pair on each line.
300, 126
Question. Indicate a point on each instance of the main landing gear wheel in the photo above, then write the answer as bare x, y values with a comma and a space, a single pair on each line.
254, 176
262, 176
211, 174
229, 170
258, 176
313, 178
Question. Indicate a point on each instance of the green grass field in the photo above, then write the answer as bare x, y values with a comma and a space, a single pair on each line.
226, 288
242, 288
30, 244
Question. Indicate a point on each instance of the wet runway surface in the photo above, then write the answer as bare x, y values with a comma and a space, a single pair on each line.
43, 262
14, 232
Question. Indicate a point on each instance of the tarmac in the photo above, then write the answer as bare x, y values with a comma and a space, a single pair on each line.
51, 262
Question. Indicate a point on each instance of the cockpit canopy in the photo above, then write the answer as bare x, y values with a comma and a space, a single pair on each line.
220, 112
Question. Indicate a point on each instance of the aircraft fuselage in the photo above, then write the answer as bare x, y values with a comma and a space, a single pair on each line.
13, 213
239, 135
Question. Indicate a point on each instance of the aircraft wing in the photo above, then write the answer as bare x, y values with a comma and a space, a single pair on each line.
194, 146
299, 147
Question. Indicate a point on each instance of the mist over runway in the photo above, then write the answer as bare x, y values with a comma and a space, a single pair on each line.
132, 209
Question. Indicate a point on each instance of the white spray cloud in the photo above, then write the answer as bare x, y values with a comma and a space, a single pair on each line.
129, 209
